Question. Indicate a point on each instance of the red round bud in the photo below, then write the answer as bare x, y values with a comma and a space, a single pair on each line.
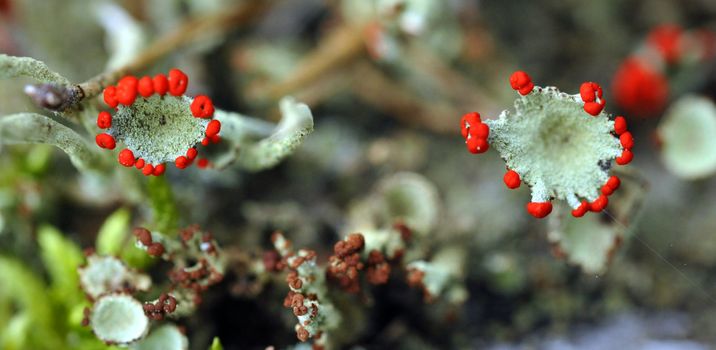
191, 153
148, 170
480, 131
521, 82
104, 120
620, 125
160, 84
159, 170
105, 141
625, 158
126, 157
512, 179
145, 87
581, 210
539, 209
178, 82
110, 96
475, 145
181, 162
626, 140
213, 128
599, 204
202, 107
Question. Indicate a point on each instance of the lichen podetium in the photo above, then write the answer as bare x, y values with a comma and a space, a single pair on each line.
155, 126
560, 145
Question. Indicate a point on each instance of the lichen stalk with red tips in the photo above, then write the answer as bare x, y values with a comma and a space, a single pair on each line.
156, 122
560, 145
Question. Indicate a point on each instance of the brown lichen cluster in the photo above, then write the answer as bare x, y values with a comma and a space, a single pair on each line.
166, 304
187, 281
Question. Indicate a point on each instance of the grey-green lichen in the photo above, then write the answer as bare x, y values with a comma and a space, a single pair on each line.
296, 123
107, 274
158, 129
406, 198
12, 67
688, 134
443, 275
35, 128
165, 337
558, 149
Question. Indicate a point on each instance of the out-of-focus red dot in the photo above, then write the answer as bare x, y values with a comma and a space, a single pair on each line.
639, 89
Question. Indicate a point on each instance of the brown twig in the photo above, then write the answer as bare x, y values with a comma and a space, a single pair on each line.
66, 98
339, 48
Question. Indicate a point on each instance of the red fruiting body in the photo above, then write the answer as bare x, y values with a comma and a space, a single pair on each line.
148, 170
626, 140
127, 90
104, 120
469, 120
105, 141
625, 158
640, 89
181, 162
599, 204
606, 190
205, 141
521, 82
620, 125
614, 183
539, 209
191, 153
178, 82
202, 107
475, 145
215, 139
159, 170
591, 94
581, 210
202, 163
480, 131
213, 128
145, 87
110, 96
611, 185
512, 179
126, 157
667, 40
161, 84
139, 164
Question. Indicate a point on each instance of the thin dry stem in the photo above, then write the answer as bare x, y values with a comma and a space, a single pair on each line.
190, 31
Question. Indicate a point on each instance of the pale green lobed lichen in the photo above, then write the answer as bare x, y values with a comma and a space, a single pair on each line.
558, 149
118, 319
444, 275
407, 198
25, 128
158, 129
590, 242
165, 337
688, 133
107, 274
12, 67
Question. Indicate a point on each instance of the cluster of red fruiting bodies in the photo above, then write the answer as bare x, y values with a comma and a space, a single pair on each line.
126, 92
640, 84
476, 133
